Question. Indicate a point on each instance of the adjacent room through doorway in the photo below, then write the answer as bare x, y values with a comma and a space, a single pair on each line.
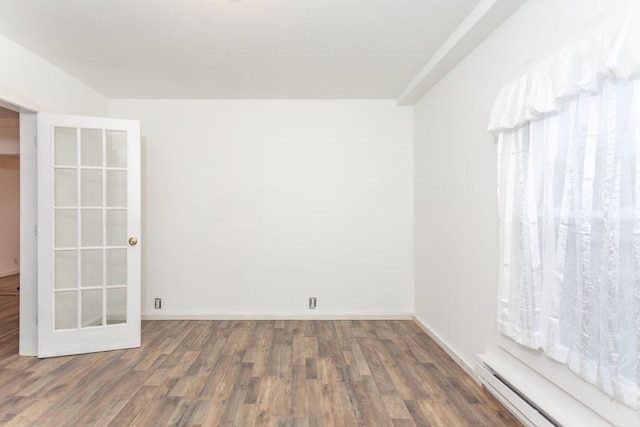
9, 227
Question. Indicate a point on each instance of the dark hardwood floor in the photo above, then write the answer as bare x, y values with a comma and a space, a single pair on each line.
9, 285
9, 322
246, 373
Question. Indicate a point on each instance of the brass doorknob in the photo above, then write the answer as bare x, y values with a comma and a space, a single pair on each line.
133, 241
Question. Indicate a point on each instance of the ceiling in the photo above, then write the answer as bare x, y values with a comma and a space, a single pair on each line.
236, 49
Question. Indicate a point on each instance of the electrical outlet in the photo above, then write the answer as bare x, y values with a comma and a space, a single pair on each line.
157, 303
313, 302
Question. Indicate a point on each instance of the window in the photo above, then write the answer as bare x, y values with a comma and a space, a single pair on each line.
569, 198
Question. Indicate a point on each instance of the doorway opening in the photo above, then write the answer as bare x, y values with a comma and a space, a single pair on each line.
9, 229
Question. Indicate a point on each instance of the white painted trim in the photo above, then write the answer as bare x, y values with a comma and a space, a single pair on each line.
482, 20
274, 316
451, 352
28, 239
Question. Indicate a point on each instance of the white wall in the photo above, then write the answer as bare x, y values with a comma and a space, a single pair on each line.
9, 215
456, 240
251, 207
30, 82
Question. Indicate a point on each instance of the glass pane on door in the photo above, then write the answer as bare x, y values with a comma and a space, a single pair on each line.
66, 305
116, 306
66, 228
91, 147
116, 149
66, 270
91, 228
91, 303
91, 187
66, 183
116, 267
91, 267
116, 226
116, 188
65, 151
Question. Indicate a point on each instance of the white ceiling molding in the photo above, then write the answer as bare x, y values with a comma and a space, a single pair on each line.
482, 20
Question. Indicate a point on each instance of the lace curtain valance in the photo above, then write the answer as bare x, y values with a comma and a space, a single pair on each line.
609, 50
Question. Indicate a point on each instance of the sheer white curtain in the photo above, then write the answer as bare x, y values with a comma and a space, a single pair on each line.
569, 198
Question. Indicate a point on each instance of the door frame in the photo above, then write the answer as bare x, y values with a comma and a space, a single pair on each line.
28, 237
28, 329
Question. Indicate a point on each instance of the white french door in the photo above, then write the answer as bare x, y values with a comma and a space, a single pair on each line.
88, 234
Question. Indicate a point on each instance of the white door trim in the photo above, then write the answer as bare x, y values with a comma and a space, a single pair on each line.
28, 238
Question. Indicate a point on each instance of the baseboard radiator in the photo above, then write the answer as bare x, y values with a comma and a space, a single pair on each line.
512, 398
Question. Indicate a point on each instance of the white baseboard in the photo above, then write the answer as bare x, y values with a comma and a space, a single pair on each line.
274, 316
455, 356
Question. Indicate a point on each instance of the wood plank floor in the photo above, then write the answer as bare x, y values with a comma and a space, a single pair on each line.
9, 285
246, 373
